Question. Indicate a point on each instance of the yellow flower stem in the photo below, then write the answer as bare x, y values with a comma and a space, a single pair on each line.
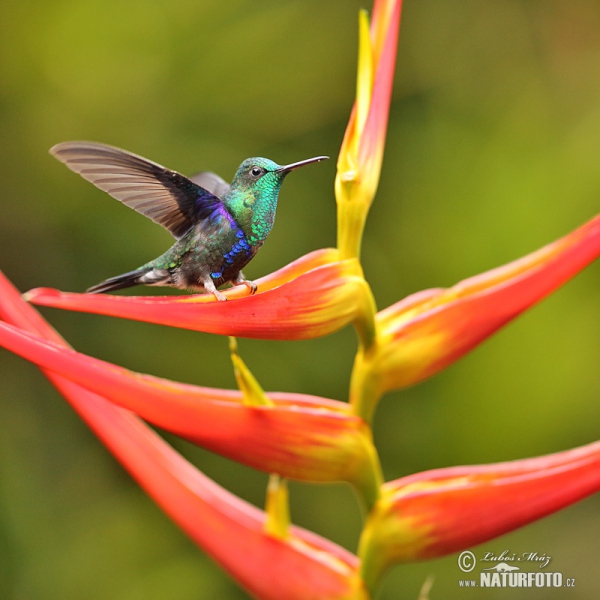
365, 322
365, 388
370, 478
351, 215
364, 391
372, 564
384, 539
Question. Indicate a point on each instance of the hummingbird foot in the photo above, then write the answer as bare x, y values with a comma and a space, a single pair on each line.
209, 286
251, 286
239, 279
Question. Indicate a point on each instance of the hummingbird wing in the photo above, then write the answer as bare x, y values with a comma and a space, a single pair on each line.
211, 182
167, 197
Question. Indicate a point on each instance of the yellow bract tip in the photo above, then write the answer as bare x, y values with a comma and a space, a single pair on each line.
277, 507
253, 394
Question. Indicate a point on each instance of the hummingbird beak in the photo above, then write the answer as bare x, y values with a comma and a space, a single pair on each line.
296, 165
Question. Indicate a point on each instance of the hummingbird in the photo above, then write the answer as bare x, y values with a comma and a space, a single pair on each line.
218, 227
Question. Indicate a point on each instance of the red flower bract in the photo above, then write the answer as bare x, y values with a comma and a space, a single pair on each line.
313, 296
428, 331
438, 512
361, 155
298, 436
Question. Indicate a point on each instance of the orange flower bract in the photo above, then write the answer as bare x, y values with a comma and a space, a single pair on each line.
428, 331
312, 297
298, 436
438, 512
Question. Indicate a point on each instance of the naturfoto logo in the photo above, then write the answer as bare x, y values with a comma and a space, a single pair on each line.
507, 572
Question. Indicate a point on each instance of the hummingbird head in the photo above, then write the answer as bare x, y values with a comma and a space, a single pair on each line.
264, 176
252, 197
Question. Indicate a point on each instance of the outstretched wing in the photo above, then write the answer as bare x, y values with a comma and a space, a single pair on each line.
211, 182
167, 197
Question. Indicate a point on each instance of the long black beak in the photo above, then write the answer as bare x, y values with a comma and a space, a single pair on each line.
301, 163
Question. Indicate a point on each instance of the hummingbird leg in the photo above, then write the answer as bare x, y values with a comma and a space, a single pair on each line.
209, 286
239, 279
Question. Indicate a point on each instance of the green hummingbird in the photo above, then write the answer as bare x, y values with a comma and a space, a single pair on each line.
218, 227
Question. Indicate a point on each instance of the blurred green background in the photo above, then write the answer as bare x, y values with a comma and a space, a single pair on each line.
493, 151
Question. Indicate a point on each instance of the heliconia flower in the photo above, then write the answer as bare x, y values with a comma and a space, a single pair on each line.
439, 512
311, 297
298, 436
361, 154
430, 330
297, 565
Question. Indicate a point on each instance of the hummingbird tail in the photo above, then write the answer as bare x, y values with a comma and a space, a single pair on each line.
120, 282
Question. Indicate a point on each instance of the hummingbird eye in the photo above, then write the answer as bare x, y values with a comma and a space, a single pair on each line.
256, 171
